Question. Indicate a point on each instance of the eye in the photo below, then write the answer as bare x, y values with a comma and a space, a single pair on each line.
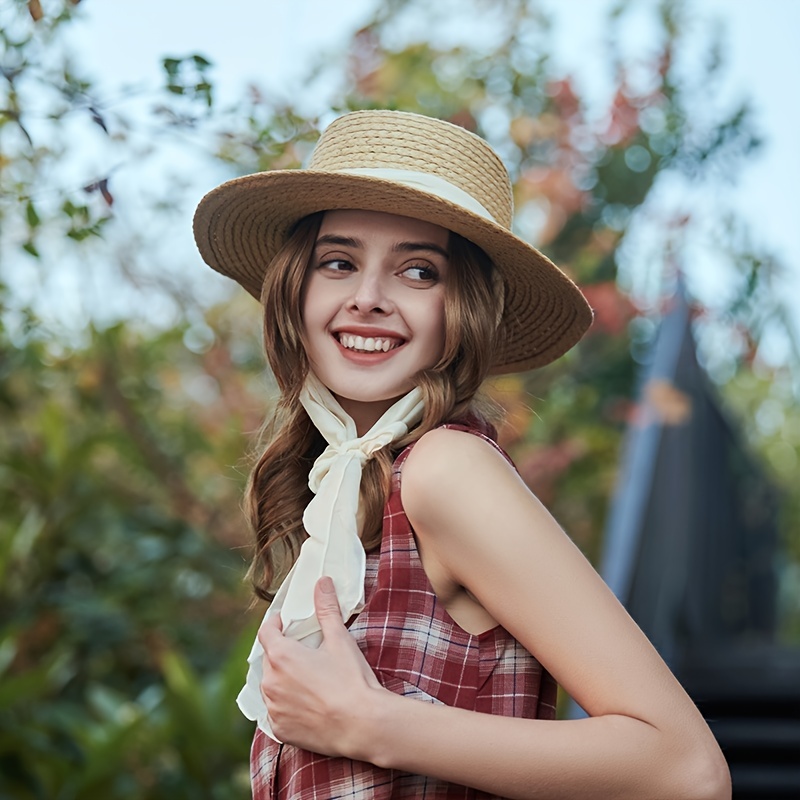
336, 265
422, 273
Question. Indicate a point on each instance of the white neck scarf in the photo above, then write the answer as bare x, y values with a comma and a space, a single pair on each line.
332, 520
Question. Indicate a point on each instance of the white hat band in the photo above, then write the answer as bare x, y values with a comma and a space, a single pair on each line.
430, 184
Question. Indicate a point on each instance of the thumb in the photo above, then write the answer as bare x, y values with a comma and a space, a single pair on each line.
327, 606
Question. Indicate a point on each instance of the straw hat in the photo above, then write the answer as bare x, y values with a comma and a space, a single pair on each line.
413, 166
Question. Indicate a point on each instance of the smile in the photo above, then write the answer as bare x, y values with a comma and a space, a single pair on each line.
369, 344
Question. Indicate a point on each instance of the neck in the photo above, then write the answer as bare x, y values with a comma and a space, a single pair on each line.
355, 420
365, 415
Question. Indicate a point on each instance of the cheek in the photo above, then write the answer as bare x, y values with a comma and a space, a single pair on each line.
311, 313
312, 305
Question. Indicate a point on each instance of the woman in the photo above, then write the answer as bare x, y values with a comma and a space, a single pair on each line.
409, 649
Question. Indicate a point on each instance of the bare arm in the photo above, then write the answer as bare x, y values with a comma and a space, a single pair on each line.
644, 738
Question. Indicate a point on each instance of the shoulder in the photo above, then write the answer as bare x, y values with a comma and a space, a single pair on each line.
450, 467
472, 512
447, 452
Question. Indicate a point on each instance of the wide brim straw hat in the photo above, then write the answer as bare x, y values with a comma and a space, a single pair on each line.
413, 166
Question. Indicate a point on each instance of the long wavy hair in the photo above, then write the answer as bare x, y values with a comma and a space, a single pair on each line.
278, 492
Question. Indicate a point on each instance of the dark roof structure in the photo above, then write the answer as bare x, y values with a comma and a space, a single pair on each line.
691, 550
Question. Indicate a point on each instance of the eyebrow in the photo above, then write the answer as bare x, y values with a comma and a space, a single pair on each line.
398, 247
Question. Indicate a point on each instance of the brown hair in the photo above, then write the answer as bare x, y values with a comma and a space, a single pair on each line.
278, 491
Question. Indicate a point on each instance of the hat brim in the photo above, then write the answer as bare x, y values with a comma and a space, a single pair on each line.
241, 225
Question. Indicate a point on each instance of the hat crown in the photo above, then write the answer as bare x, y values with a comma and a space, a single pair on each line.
402, 141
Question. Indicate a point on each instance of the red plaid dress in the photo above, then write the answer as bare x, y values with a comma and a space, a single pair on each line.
417, 650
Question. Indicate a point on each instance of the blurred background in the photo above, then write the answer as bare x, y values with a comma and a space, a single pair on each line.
653, 150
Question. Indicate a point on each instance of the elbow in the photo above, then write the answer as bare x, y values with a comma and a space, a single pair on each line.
709, 775
694, 769
718, 781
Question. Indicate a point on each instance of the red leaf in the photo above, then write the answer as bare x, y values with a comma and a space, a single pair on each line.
102, 187
612, 310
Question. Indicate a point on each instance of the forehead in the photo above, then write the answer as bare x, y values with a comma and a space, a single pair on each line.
381, 224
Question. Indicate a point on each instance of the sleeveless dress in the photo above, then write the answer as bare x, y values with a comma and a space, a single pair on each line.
417, 650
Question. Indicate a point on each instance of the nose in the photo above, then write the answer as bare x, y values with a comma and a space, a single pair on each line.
370, 294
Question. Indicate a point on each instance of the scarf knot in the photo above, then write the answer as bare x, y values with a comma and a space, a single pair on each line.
333, 454
333, 521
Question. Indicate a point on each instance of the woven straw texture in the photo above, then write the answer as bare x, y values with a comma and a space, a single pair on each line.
240, 226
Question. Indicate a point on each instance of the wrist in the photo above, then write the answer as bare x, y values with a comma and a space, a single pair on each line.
372, 723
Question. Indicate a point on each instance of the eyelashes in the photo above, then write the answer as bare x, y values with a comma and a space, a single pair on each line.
424, 273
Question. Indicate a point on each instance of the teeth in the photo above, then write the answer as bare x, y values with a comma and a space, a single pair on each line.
368, 345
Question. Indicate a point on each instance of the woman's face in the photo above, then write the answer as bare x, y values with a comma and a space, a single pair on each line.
373, 307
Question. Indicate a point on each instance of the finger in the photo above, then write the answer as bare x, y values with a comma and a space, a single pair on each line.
327, 606
271, 631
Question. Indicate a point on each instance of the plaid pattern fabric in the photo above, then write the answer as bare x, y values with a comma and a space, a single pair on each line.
417, 650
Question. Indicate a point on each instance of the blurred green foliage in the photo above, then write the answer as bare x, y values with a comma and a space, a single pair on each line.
123, 629
118, 579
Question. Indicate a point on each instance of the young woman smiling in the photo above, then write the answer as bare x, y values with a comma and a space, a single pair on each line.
423, 601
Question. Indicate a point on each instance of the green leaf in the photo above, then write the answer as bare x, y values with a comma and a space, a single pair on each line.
171, 65
30, 248
31, 215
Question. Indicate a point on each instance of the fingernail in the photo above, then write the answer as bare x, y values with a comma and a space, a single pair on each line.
326, 585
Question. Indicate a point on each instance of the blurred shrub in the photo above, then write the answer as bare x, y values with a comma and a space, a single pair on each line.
119, 587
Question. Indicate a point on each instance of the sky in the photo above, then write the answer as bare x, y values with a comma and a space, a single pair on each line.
271, 42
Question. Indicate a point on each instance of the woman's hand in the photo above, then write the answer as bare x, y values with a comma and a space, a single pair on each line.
316, 697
